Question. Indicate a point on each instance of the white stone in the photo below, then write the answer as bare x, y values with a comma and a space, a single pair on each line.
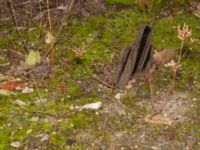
93, 106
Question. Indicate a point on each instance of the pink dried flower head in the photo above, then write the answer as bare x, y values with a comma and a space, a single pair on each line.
79, 52
184, 32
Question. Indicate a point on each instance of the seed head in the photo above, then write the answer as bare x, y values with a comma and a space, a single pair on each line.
184, 32
79, 52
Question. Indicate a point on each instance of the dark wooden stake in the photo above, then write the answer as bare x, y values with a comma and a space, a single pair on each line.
135, 59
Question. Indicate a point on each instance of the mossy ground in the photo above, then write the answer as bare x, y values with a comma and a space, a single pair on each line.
102, 37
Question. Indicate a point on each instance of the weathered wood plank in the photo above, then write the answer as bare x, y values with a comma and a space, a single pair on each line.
135, 59
123, 59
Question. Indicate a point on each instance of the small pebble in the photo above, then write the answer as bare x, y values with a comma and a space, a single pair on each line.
15, 144
194, 99
165, 115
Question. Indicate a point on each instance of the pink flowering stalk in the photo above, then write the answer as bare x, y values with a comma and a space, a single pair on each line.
183, 33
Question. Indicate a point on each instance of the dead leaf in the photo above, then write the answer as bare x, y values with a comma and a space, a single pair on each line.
35, 119
4, 77
33, 58
27, 90
164, 56
49, 38
196, 10
4, 92
158, 119
61, 7
44, 138
40, 100
12, 85
19, 103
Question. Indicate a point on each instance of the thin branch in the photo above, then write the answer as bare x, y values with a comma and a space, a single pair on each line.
162, 107
16, 24
36, 87
150, 80
68, 8
103, 82
37, 91
13, 15
44, 113
49, 15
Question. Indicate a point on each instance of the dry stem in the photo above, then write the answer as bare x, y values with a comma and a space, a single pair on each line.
175, 68
44, 113
150, 80
49, 15
16, 24
52, 44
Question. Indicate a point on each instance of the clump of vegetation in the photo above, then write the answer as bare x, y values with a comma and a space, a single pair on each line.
152, 7
153, 3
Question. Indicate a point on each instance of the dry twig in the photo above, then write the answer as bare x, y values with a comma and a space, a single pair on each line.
16, 24
44, 113
103, 83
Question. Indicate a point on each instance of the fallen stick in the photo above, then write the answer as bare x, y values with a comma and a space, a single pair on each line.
103, 82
